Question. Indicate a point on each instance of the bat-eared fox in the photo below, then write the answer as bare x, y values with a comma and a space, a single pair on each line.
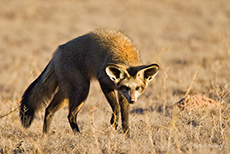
106, 55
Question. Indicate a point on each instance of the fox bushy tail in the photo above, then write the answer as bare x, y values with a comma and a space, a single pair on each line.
37, 94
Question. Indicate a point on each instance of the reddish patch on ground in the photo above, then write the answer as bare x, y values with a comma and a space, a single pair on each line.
197, 103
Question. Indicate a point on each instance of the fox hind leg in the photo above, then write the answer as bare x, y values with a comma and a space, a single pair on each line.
76, 101
56, 104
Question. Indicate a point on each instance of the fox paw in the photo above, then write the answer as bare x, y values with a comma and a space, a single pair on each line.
114, 121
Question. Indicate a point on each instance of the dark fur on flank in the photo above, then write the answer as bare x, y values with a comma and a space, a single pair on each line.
29, 103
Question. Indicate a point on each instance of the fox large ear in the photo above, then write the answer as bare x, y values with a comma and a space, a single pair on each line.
116, 72
148, 72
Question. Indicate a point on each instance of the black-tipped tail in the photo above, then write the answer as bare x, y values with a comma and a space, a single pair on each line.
27, 115
37, 95
27, 112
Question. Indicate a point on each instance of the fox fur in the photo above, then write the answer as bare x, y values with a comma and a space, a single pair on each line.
106, 55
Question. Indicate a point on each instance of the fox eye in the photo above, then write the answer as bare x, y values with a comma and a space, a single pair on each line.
124, 88
138, 87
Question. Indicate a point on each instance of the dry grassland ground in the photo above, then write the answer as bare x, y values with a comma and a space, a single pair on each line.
184, 37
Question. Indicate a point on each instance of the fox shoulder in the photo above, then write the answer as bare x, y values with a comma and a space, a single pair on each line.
121, 47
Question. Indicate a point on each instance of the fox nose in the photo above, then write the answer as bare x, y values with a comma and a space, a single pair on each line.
131, 102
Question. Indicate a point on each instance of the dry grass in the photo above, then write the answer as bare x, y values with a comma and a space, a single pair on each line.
180, 35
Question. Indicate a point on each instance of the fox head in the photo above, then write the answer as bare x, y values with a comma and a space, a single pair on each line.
131, 82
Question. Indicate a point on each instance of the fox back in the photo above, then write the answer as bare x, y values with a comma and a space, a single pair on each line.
94, 51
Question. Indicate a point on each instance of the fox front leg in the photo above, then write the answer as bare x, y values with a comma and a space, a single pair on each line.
124, 106
112, 99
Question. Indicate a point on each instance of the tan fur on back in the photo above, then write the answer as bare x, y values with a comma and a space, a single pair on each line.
123, 48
